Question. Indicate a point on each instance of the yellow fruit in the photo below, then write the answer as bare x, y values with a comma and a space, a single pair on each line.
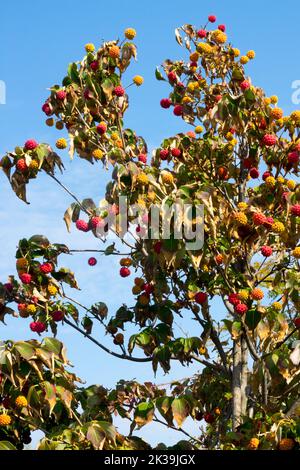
257, 294
267, 101
31, 308
277, 306
240, 218
97, 153
274, 99
202, 47
191, 86
187, 99
198, 129
280, 180
205, 268
276, 113
52, 289
236, 52
243, 295
250, 54
295, 116
114, 136
242, 206
219, 37
125, 262
5, 420
291, 184
136, 290
114, 52
142, 178
130, 33
138, 80
167, 177
286, 444
194, 56
278, 227
217, 411
61, 143
151, 196
253, 443
144, 299
244, 59
21, 401
34, 165
89, 47
270, 181
202, 350
296, 252
22, 263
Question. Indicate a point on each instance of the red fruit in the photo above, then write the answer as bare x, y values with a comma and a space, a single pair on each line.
148, 288
218, 98
258, 218
297, 322
25, 278
178, 110
46, 108
293, 157
295, 210
58, 315
157, 247
97, 222
119, 91
34, 300
82, 225
201, 297
266, 251
172, 76
21, 165
142, 158
269, 140
40, 326
285, 195
124, 271
201, 33
61, 95
269, 222
232, 130
248, 162
209, 418
87, 94
21, 307
193, 64
233, 299
164, 153
245, 85
101, 128
165, 103
241, 309
263, 124
8, 286
176, 152
92, 261
254, 173
222, 27
266, 175
94, 65
46, 268
30, 144
212, 18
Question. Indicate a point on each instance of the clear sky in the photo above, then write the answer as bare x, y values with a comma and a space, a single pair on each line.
38, 39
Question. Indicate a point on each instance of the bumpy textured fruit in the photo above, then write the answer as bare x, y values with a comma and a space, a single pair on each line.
269, 140
296, 252
31, 309
266, 251
291, 184
165, 103
257, 294
167, 177
254, 173
142, 178
52, 289
244, 60
277, 306
97, 153
26, 278
240, 218
97, 222
92, 261
142, 158
276, 113
130, 33
61, 95
22, 263
21, 401
241, 309
201, 298
293, 157
124, 271
164, 153
176, 152
286, 444
126, 262
82, 225
139, 281
30, 144
89, 47
201, 33
295, 210
250, 54
61, 143
138, 80
278, 227
209, 418
270, 181
37, 326
212, 18
233, 299
258, 218
219, 259
242, 205
178, 110
119, 91
33, 165
5, 419
244, 85
46, 268
253, 443
243, 295
58, 315
114, 52
219, 37
21, 165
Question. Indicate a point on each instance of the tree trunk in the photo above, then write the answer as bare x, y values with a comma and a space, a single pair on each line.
244, 378
236, 384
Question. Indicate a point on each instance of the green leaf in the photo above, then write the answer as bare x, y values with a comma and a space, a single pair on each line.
252, 319
26, 350
144, 413
158, 74
96, 436
6, 445
53, 345
50, 395
180, 408
73, 72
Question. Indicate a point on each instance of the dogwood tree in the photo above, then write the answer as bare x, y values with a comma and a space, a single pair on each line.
239, 161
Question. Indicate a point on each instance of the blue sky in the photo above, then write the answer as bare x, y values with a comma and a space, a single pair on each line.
36, 46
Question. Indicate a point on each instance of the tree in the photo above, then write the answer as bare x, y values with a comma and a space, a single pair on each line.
238, 162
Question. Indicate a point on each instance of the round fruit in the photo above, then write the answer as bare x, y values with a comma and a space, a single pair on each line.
164, 153
130, 33
266, 251
114, 52
241, 309
254, 173
258, 218
201, 298
257, 294
82, 225
97, 153
61, 143
253, 443
5, 420
119, 338
165, 103
209, 418
37, 326
269, 140
296, 252
61, 95
142, 158
138, 80
26, 278
286, 444
176, 152
125, 272
240, 218
30, 144
31, 309
58, 315
142, 178
52, 289
297, 322
219, 259
178, 110
244, 85
119, 91
92, 261
212, 18
101, 128
46, 268
21, 165
233, 299
21, 401
295, 210
89, 47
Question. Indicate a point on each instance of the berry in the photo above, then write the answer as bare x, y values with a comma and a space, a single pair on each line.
8, 286
82, 225
209, 418
266, 251
241, 309
119, 91
223, 173
37, 326
269, 222
201, 33
92, 261
167, 177
97, 222
142, 178
178, 110
142, 158
30, 144
124, 271
21, 165
31, 309
130, 33
245, 85
164, 153
295, 210
58, 315
97, 153
172, 76
250, 54
247, 162
212, 18
46, 108
165, 103
89, 47
270, 181
266, 175
126, 262
176, 152
52, 289
114, 52
61, 95
257, 294
201, 297
46, 268
269, 140
101, 128
296, 252
219, 259
21, 401
94, 65
258, 218
240, 218
222, 28
5, 420
297, 322
278, 227
138, 80
254, 173
243, 295
119, 338
26, 278
253, 443
61, 143
286, 444
148, 288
